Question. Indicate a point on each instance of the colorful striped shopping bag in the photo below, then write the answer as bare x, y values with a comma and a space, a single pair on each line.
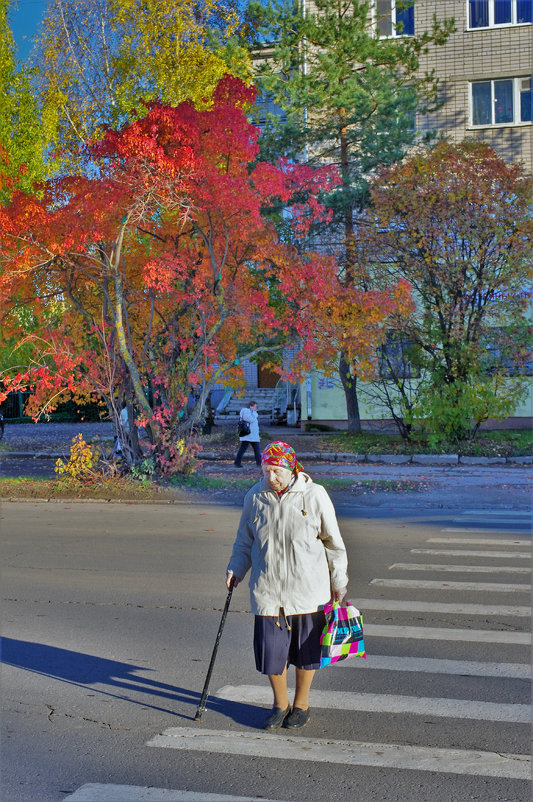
342, 636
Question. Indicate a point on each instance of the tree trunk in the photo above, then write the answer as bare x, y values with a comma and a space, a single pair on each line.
349, 232
349, 381
349, 384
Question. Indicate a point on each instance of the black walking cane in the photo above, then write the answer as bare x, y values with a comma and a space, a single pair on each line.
201, 706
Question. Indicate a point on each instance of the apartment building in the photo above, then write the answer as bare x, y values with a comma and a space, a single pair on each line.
485, 71
485, 68
485, 74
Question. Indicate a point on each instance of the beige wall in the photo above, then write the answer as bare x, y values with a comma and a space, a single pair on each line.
328, 405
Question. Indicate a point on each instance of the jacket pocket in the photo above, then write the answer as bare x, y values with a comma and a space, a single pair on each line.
304, 530
261, 526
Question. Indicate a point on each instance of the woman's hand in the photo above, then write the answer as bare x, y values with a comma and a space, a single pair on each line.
338, 595
229, 576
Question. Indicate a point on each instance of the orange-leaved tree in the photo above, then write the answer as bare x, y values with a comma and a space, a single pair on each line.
455, 222
153, 275
352, 321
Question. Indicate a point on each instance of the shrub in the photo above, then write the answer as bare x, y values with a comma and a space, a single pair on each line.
82, 464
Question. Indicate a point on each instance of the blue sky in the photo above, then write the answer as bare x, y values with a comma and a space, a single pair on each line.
25, 18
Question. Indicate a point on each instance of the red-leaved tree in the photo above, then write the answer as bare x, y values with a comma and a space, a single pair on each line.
153, 275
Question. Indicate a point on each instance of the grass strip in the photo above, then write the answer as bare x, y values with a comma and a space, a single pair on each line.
37, 487
30, 487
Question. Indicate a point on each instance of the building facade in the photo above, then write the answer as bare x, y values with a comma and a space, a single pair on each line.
485, 74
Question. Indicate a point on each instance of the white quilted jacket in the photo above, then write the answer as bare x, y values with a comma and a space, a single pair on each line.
293, 546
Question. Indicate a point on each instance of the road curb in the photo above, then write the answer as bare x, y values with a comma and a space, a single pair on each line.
34, 454
445, 460
151, 502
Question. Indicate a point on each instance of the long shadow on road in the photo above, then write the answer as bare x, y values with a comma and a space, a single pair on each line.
86, 670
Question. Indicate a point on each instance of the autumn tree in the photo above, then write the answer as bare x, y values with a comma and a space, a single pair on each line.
98, 58
455, 222
23, 133
153, 278
348, 86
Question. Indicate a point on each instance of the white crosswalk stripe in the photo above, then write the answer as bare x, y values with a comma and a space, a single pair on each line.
401, 605
448, 634
357, 753
461, 569
428, 584
99, 792
486, 531
499, 513
500, 555
389, 703
492, 519
430, 665
477, 541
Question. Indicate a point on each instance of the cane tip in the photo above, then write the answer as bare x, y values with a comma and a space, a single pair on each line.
198, 715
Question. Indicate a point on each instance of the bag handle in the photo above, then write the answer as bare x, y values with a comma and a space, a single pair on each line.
331, 607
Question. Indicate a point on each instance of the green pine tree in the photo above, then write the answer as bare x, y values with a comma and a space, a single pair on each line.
342, 94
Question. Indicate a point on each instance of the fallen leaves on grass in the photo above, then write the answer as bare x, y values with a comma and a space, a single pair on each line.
389, 486
53, 489
215, 481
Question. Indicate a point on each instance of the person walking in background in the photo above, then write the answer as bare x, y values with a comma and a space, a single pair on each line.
122, 436
289, 537
249, 415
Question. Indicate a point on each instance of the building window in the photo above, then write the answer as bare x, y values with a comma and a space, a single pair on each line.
490, 13
394, 358
501, 359
266, 108
526, 99
501, 102
395, 17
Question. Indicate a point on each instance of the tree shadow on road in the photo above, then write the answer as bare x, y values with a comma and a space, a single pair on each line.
86, 670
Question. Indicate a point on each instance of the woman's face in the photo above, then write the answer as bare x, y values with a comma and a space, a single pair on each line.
277, 478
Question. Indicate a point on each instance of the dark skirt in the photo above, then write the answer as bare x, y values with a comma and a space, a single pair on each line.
282, 640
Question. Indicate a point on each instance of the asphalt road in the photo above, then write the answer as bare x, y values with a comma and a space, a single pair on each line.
110, 615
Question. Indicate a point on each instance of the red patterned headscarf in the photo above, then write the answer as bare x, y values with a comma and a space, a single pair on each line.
282, 454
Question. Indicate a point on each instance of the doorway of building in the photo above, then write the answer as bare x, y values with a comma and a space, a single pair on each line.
266, 377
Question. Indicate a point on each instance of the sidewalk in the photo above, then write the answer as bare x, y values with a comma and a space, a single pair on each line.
53, 440
458, 475
48, 439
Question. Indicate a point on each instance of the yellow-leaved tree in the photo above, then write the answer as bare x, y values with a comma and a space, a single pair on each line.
24, 130
98, 59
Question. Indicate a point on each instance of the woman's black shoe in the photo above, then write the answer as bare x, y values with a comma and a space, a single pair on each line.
276, 719
298, 718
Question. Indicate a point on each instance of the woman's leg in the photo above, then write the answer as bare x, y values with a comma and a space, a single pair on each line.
240, 453
279, 687
257, 453
304, 678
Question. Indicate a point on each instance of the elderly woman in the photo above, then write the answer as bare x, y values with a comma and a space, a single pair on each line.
289, 537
